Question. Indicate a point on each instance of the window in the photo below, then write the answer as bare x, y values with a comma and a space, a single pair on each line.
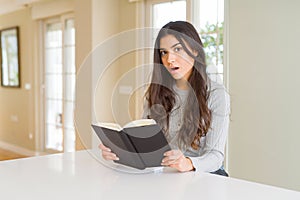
165, 12
59, 84
208, 18
160, 12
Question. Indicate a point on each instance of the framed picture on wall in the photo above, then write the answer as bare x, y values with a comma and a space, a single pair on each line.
10, 57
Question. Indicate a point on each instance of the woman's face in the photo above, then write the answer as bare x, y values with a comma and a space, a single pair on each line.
175, 59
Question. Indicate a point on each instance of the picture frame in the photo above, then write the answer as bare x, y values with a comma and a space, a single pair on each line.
10, 57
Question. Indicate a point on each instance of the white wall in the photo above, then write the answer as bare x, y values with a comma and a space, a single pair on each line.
264, 84
83, 23
17, 104
105, 24
109, 36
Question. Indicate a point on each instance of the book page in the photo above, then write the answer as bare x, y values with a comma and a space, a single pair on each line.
140, 122
112, 126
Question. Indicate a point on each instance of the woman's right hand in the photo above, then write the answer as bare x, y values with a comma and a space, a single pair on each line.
107, 154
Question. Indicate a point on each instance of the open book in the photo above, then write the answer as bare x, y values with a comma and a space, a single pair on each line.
139, 144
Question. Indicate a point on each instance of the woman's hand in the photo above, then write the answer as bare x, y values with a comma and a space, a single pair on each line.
177, 160
107, 154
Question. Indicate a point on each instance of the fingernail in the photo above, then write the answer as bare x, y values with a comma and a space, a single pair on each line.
117, 158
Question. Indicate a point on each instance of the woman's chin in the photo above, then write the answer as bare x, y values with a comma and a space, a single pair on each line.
177, 76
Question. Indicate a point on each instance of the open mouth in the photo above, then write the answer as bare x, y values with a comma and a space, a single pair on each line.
174, 68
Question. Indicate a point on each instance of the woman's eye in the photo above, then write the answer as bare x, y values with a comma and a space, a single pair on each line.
177, 49
163, 53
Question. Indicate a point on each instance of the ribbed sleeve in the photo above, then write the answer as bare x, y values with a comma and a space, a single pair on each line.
212, 147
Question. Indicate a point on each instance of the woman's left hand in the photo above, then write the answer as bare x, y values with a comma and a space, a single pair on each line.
177, 160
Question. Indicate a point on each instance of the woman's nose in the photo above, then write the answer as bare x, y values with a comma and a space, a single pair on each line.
171, 57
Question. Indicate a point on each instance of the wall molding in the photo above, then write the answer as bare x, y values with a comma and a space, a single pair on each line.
19, 150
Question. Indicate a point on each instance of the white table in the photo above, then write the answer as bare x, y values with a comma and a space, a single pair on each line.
79, 176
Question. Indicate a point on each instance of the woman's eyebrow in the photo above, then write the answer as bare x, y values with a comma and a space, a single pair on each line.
174, 45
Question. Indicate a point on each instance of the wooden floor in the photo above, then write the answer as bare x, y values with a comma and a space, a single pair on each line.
8, 155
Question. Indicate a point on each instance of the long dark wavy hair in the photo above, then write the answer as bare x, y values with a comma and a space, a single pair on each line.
161, 96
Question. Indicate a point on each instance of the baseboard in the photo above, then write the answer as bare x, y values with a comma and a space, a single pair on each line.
19, 150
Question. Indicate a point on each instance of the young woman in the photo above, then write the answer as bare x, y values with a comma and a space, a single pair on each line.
192, 110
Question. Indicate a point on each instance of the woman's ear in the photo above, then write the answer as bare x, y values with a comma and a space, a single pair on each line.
195, 53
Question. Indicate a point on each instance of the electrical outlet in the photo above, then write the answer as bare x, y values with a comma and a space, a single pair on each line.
27, 86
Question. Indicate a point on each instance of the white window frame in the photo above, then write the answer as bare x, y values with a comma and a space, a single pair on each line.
40, 142
150, 3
